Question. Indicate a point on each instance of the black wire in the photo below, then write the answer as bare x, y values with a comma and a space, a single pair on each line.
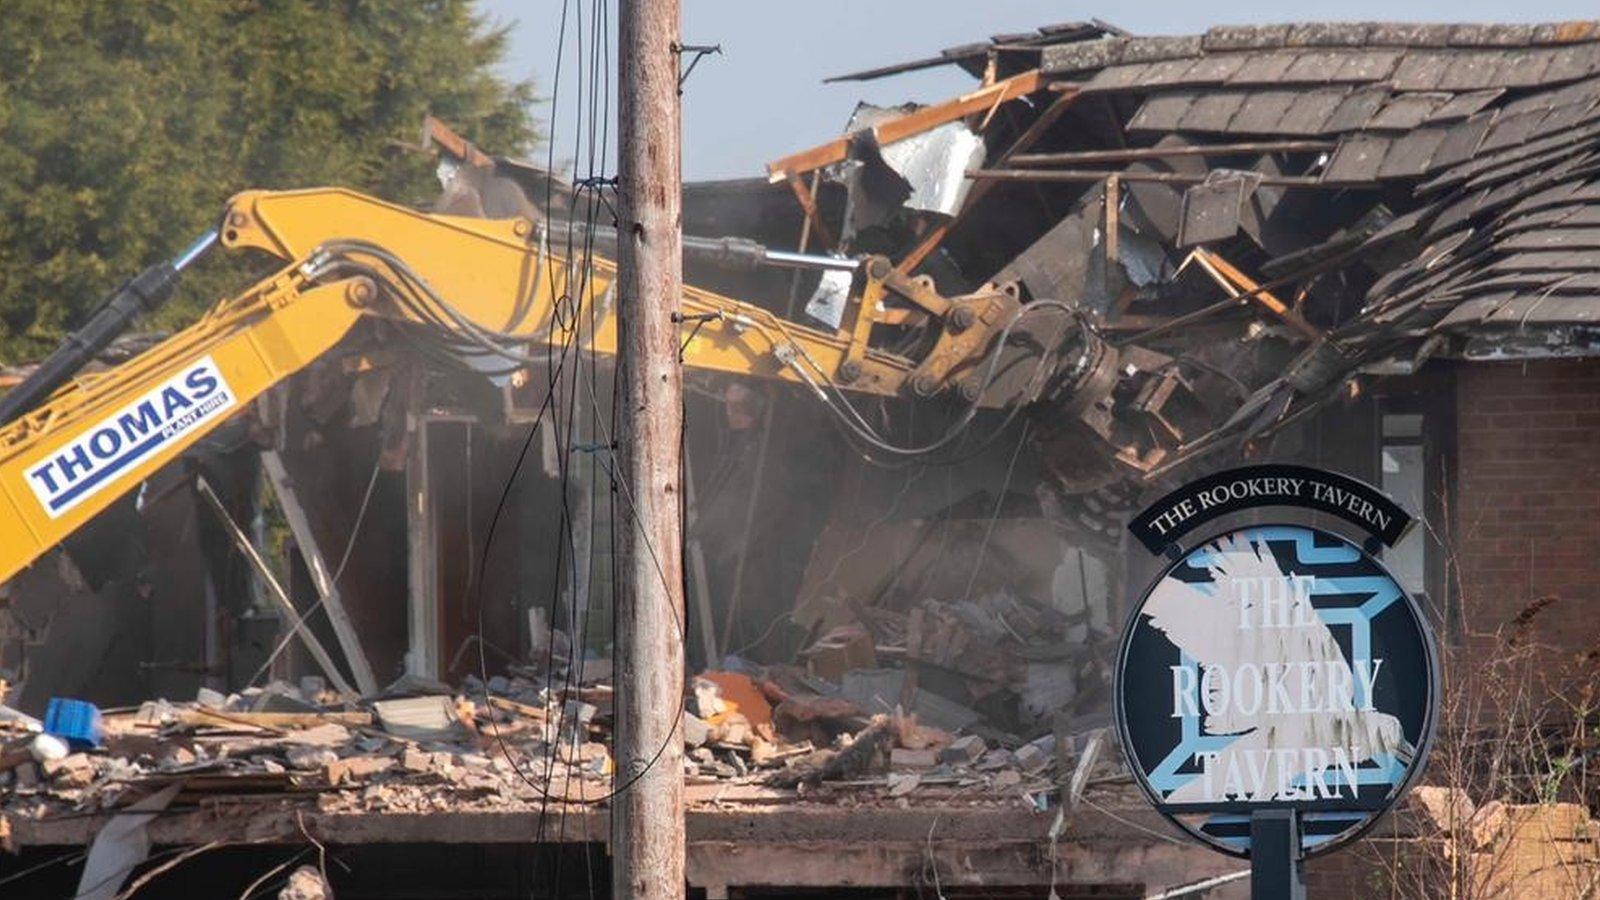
553, 372
564, 547
601, 60
554, 368
448, 332
65, 858
413, 293
479, 337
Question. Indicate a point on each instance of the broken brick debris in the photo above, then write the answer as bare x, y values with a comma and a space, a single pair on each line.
529, 745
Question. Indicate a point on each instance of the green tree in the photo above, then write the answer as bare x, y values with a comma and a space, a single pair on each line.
124, 127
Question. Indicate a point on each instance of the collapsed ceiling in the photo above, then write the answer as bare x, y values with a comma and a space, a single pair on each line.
1243, 221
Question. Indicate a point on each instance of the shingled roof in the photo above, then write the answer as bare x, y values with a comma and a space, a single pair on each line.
1494, 128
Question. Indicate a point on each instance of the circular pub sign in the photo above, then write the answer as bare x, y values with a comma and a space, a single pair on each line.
1270, 668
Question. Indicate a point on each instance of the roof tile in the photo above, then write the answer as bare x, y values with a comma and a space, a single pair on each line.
1155, 49
1491, 35
1062, 59
1245, 37
1162, 112
1329, 34
1407, 111
1357, 159
1356, 109
1461, 106
1422, 71
1264, 68
1212, 111
1472, 70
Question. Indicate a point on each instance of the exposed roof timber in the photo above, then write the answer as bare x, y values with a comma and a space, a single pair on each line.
981, 100
1476, 142
1086, 176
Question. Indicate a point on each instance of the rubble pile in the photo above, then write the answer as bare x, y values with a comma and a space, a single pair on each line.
1503, 849
418, 746
1000, 666
515, 742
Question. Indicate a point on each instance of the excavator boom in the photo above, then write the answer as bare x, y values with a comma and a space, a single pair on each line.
491, 285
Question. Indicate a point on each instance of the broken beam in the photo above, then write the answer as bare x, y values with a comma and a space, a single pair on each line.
807, 198
326, 582
1242, 286
982, 100
275, 589
1135, 154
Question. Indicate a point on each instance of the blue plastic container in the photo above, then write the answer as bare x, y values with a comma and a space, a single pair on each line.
75, 721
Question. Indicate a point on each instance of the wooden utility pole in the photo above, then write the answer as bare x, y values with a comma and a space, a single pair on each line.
648, 839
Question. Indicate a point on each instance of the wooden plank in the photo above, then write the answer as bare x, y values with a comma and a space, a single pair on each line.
422, 574
275, 590
1235, 281
808, 203
300, 525
891, 130
271, 720
521, 709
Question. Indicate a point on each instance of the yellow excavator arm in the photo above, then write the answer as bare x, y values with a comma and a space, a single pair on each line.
348, 256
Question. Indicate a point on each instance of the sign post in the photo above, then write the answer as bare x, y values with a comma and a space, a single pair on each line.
1276, 687
1275, 856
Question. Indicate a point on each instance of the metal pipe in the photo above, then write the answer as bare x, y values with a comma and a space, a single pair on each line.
140, 294
195, 250
1140, 153
729, 252
784, 259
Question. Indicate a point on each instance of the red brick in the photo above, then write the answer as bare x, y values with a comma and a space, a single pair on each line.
1527, 501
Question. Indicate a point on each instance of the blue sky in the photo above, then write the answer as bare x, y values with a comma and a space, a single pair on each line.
763, 97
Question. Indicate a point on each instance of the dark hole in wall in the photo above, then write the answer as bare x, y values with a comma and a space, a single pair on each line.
439, 871
356, 872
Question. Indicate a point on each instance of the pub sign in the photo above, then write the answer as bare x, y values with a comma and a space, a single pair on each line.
1276, 667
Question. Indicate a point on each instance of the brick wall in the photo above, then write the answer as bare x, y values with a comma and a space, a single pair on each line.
1527, 504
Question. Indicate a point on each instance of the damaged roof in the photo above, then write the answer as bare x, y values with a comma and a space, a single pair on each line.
1492, 127
1250, 217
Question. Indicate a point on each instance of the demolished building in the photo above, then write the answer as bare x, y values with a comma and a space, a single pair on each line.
1367, 247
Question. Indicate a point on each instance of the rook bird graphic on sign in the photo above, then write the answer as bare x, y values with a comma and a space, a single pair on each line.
1261, 664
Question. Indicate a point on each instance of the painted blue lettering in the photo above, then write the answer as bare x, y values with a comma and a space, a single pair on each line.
44, 474
74, 459
173, 400
141, 421
201, 382
105, 442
